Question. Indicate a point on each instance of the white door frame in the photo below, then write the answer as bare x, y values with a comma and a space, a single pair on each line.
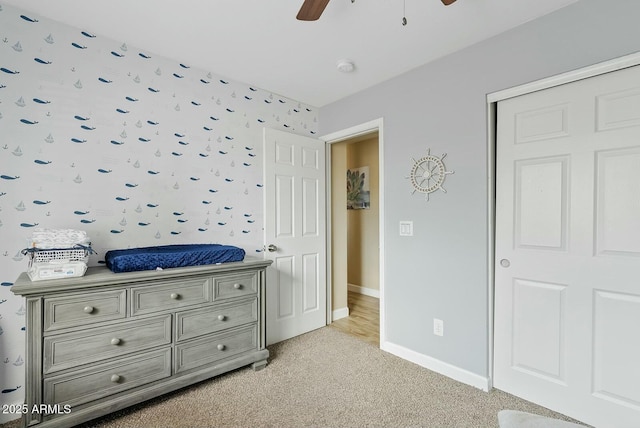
336, 137
492, 102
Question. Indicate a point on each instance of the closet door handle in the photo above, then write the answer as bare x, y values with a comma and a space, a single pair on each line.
88, 309
221, 347
505, 263
115, 341
221, 317
175, 296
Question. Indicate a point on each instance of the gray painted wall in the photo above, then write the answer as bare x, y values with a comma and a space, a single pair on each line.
441, 272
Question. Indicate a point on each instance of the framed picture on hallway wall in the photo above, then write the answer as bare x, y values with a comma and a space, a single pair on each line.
358, 192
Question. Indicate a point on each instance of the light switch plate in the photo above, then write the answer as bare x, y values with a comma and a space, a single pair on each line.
406, 228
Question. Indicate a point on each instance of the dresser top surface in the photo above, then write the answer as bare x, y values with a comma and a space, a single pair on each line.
99, 276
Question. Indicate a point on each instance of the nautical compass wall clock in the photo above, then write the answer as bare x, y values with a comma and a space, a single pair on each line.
427, 174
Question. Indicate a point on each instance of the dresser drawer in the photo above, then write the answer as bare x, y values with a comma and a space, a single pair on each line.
82, 309
67, 350
100, 381
198, 322
169, 295
236, 285
215, 348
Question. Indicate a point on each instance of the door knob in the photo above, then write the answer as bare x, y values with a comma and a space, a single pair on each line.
271, 248
505, 263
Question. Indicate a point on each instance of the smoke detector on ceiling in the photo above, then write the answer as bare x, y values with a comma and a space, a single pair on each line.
346, 66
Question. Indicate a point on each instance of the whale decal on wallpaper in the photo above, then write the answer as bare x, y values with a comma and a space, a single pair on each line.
121, 198
179, 76
123, 111
39, 101
173, 232
78, 45
205, 81
38, 202
117, 143
42, 61
28, 19
142, 223
85, 221
29, 122
183, 143
42, 162
103, 80
78, 212
182, 220
78, 117
150, 205
115, 231
131, 99
78, 140
9, 390
176, 154
143, 55
153, 122
28, 224
117, 54
154, 90
206, 128
203, 155
202, 229
9, 177
87, 128
184, 66
144, 140
131, 185
179, 135
104, 171
87, 34
153, 172
8, 71
224, 82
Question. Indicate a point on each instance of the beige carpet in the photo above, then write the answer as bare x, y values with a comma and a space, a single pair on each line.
324, 379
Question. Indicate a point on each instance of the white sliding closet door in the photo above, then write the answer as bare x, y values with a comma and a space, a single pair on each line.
567, 274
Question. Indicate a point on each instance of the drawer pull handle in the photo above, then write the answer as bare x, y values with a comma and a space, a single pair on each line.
175, 296
221, 347
115, 341
222, 317
88, 309
237, 286
115, 378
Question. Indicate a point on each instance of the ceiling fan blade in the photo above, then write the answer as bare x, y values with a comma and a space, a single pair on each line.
311, 10
448, 2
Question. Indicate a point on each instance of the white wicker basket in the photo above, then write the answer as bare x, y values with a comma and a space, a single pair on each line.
57, 263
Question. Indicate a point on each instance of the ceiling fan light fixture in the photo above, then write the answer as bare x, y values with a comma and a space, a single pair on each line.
346, 66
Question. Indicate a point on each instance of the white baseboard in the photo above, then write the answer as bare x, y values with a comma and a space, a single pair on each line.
446, 369
363, 290
339, 313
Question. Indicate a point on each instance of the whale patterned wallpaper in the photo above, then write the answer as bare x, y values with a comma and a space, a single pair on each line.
135, 149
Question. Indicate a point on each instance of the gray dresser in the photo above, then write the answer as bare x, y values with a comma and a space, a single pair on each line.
102, 342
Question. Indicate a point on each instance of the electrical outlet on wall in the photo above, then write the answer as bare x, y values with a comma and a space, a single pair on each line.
438, 327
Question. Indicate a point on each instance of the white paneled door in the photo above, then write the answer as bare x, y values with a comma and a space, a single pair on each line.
294, 233
567, 274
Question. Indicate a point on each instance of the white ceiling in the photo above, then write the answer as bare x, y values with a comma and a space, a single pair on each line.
260, 42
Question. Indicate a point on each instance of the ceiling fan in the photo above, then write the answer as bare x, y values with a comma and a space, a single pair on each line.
312, 9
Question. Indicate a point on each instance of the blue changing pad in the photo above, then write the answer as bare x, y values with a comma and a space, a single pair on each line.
171, 256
